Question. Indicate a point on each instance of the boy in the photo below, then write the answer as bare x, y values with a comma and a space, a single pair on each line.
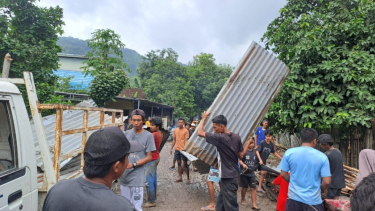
213, 176
265, 148
151, 167
335, 165
250, 162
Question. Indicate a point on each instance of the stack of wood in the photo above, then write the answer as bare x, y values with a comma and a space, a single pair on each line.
350, 177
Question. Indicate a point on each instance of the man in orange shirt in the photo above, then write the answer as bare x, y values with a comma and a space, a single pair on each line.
180, 137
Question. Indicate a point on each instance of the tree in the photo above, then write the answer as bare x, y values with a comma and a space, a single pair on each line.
208, 78
329, 47
107, 85
105, 54
164, 80
106, 65
29, 33
189, 89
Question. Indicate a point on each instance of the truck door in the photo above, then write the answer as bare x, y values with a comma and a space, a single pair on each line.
14, 176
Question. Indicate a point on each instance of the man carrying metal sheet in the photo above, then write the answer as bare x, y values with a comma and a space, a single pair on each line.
229, 149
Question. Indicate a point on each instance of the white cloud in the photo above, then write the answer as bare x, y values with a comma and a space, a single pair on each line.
221, 27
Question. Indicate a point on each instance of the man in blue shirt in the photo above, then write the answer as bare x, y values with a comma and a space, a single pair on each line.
309, 174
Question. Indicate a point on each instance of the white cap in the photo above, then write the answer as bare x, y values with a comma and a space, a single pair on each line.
193, 125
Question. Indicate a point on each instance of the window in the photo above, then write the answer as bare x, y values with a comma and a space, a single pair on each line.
7, 138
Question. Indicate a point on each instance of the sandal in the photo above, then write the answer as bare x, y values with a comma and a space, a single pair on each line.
207, 209
255, 208
261, 191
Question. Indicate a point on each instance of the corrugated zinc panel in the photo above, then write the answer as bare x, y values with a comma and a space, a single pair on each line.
244, 99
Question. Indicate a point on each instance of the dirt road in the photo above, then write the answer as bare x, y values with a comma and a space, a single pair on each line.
184, 197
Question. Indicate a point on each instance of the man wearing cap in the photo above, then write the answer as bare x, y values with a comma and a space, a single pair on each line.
133, 180
106, 158
193, 127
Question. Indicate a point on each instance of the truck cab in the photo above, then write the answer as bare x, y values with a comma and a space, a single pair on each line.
18, 172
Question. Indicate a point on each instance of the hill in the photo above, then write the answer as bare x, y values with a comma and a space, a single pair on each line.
71, 45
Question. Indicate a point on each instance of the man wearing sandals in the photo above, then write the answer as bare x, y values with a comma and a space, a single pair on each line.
229, 149
180, 137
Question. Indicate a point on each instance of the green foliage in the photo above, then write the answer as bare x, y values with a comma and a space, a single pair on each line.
105, 54
29, 33
106, 65
208, 79
136, 83
190, 89
107, 85
72, 45
164, 80
329, 47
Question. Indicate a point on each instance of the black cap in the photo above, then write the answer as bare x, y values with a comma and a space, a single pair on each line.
108, 145
325, 139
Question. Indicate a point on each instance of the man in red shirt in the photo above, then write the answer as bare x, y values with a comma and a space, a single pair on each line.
151, 168
283, 193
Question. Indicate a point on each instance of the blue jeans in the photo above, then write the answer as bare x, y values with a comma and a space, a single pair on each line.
151, 180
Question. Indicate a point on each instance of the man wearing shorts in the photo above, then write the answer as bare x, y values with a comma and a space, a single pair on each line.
249, 164
180, 137
213, 177
133, 180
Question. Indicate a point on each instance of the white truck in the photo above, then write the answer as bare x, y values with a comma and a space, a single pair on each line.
19, 189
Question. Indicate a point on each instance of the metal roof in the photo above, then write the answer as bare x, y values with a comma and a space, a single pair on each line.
244, 99
72, 119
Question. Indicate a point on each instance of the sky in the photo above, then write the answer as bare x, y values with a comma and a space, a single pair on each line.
224, 28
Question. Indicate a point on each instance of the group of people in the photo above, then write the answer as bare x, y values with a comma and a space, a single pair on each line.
306, 172
237, 163
131, 157
110, 154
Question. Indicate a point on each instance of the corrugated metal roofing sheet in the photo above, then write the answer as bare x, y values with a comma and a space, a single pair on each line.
244, 99
72, 119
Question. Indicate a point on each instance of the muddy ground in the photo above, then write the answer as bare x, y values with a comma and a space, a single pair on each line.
184, 197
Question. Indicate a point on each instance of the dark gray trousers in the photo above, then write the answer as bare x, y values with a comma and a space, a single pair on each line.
292, 205
227, 199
